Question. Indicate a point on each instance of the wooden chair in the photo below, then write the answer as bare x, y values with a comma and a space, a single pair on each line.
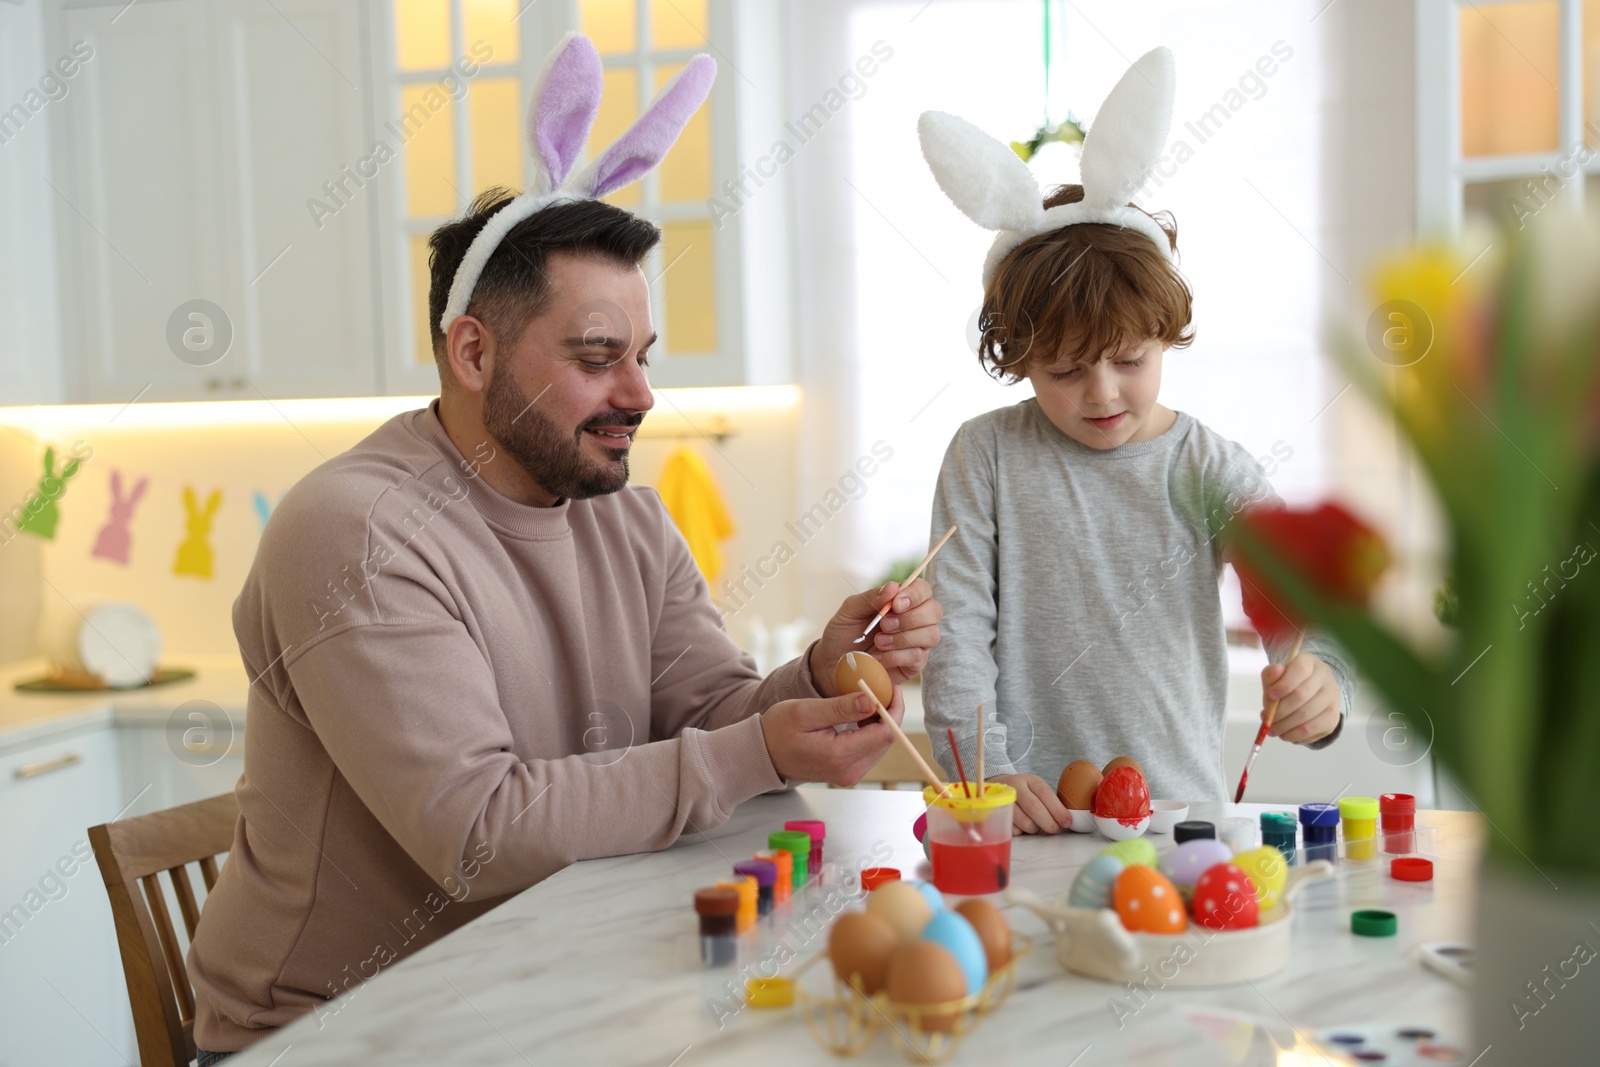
132, 853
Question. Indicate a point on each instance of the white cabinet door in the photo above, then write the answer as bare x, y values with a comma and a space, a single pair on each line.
62, 997
138, 183
291, 77
184, 160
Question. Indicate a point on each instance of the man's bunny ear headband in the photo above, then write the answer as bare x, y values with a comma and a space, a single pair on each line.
995, 189
565, 100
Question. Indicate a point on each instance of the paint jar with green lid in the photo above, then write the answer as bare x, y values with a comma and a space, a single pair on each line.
798, 844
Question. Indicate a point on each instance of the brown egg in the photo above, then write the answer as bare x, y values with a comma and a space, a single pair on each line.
1121, 761
1077, 785
992, 930
861, 945
856, 667
926, 973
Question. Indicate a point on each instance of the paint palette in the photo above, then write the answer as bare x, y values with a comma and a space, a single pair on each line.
1396, 1045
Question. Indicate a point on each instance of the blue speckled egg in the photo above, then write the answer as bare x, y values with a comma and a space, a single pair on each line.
1185, 864
952, 930
936, 899
1092, 887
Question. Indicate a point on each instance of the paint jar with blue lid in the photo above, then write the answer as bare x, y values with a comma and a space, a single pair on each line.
1319, 830
1278, 829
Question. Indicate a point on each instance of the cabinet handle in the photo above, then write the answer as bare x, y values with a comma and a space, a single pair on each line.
34, 770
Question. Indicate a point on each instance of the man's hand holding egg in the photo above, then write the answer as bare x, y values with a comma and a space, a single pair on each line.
900, 642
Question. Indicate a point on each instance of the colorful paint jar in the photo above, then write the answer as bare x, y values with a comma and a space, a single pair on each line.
1239, 834
1398, 813
798, 844
1278, 830
873, 877
718, 909
765, 872
969, 838
1319, 829
783, 887
749, 895
818, 831
1360, 817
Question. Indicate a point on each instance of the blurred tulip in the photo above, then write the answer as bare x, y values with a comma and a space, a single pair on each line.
1338, 554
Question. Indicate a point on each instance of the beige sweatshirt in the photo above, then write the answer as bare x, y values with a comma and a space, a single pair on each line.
456, 696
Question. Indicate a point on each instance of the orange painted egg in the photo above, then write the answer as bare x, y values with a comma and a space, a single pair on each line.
1147, 902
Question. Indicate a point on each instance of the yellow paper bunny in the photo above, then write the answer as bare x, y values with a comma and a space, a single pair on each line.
194, 553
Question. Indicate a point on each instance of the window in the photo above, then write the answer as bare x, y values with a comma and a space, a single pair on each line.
464, 71
1507, 116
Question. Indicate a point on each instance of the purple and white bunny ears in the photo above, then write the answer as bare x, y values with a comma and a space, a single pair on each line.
995, 189
562, 110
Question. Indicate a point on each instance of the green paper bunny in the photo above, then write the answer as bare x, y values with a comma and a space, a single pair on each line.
40, 513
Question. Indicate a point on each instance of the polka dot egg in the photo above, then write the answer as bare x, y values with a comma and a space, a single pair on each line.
1186, 863
1267, 870
1225, 899
1092, 887
1147, 902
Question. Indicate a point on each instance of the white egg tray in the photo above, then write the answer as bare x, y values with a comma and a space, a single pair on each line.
1093, 941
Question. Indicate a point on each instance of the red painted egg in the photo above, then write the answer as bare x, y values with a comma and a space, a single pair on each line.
1123, 795
1225, 899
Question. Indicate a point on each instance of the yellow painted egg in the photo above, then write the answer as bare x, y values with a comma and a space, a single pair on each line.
1267, 870
903, 907
856, 667
1147, 902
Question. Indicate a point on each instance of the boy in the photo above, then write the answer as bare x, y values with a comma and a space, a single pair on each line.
1080, 589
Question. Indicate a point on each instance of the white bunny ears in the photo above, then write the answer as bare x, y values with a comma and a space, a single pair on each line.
995, 189
565, 100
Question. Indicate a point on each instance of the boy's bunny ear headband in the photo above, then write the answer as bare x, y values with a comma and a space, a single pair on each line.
995, 189
565, 100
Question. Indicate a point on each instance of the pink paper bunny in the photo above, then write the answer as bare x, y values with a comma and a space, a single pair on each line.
194, 553
114, 539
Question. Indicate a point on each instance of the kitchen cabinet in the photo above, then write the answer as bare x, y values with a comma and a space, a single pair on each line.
62, 997
194, 133
182, 242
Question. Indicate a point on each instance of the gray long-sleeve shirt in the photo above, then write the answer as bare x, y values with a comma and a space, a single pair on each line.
1081, 601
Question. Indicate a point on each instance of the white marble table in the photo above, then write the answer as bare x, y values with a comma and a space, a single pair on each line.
597, 965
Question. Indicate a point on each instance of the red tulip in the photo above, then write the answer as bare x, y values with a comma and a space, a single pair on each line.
1338, 554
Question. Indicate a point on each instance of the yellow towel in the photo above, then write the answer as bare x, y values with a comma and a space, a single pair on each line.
693, 501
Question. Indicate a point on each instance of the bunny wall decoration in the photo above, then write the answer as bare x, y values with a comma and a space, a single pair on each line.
39, 511
263, 505
114, 539
995, 188
565, 101
194, 551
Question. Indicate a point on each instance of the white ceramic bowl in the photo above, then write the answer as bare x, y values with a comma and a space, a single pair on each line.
1082, 821
1114, 829
1165, 814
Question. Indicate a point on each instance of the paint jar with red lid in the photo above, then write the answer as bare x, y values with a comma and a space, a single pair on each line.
1397, 812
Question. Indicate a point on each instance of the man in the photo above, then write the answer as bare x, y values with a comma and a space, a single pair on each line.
480, 656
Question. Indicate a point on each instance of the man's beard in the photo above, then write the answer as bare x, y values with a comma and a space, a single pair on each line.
551, 458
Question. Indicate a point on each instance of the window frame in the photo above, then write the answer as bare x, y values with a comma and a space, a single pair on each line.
1443, 173
540, 27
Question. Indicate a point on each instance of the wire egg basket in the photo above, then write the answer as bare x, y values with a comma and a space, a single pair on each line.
844, 1020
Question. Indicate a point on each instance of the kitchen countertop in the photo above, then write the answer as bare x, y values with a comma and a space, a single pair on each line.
29, 717
597, 964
